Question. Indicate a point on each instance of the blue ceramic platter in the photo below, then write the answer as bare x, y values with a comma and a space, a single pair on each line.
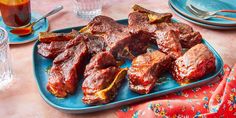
74, 104
41, 26
201, 24
207, 5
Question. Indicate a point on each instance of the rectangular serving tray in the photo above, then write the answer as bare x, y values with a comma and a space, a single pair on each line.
73, 103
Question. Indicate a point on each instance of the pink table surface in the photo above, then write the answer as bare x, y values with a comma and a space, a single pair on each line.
22, 99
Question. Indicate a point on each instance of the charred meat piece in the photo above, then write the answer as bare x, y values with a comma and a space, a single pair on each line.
47, 37
168, 42
96, 82
102, 79
194, 64
143, 21
148, 22
188, 37
140, 42
146, 69
67, 67
100, 61
52, 49
95, 44
153, 16
116, 36
140, 21
102, 25
141, 29
181, 27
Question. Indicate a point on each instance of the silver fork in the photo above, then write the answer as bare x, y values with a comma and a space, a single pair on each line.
213, 12
205, 14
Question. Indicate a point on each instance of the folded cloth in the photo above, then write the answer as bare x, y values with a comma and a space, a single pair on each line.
212, 100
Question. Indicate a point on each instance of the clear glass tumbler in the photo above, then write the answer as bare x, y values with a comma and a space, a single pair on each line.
5, 63
88, 9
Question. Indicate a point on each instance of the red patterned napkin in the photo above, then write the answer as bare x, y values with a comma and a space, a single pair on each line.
213, 100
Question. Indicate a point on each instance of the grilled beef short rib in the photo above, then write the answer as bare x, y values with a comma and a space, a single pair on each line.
51, 50
118, 37
145, 70
67, 68
99, 75
194, 64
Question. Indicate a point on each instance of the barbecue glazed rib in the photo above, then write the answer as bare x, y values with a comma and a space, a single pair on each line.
95, 44
52, 44
187, 36
115, 35
168, 42
100, 61
143, 21
146, 69
194, 64
102, 79
67, 68
96, 82
189, 40
118, 38
153, 16
52, 49
140, 22
149, 21
47, 37
170, 37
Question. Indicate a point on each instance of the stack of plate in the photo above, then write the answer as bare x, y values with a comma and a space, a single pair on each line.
179, 7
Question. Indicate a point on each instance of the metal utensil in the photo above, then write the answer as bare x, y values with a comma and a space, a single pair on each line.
29, 29
205, 14
212, 12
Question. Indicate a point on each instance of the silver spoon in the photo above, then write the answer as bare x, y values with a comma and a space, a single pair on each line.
29, 29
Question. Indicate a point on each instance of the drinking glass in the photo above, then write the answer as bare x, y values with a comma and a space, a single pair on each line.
88, 9
5, 65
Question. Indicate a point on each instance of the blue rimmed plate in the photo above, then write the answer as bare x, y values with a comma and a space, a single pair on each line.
74, 104
41, 26
201, 24
207, 5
